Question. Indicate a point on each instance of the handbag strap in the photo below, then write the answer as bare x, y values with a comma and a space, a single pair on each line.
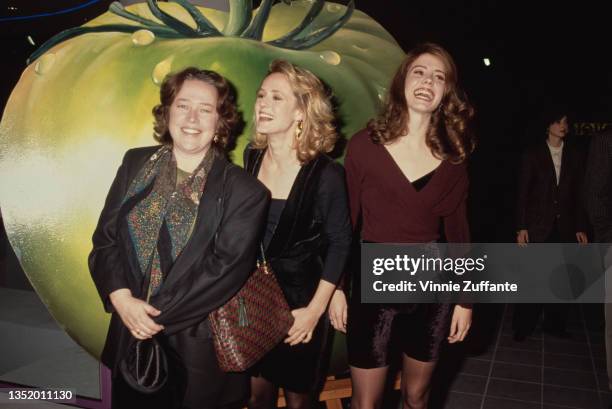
262, 253
263, 263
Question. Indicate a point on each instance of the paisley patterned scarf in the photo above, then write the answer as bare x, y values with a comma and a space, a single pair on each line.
162, 218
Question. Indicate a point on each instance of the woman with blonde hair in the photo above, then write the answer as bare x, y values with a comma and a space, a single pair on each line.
308, 232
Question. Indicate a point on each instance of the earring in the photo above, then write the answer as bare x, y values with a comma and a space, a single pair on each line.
216, 138
298, 130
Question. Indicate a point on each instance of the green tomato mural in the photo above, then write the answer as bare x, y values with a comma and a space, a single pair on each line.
86, 97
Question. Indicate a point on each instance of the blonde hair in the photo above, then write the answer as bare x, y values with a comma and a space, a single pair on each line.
318, 132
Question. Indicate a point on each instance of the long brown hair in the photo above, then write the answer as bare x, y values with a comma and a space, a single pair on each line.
448, 135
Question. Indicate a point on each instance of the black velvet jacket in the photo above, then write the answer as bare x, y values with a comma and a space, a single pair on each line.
313, 236
213, 266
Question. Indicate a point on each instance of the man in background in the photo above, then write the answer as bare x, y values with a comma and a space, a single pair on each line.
549, 210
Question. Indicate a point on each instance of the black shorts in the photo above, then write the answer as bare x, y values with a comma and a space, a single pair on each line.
377, 332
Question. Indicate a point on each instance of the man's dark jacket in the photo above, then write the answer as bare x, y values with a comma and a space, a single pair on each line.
541, 202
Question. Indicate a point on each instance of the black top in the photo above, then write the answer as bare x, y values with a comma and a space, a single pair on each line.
421, 182
274, 214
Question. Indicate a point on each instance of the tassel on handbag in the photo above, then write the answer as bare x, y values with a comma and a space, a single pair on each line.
252, 322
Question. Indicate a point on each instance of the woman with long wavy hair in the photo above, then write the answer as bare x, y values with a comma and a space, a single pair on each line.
406, 176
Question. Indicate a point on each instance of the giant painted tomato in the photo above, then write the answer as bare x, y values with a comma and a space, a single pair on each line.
86, 97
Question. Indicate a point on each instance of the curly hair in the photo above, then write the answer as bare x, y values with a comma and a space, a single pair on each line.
313, 99
226, 104
448, 135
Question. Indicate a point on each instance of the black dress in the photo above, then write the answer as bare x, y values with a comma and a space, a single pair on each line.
307, 239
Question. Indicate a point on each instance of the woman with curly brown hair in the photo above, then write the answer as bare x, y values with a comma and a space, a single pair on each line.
406, 176
308, 231
177, 238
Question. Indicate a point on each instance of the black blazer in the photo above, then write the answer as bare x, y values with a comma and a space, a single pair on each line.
598, 186
213, 266
313, 236
541, 201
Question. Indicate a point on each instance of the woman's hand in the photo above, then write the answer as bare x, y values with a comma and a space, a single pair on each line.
522, 237
460, 324
338, 311
306, 320
135, 314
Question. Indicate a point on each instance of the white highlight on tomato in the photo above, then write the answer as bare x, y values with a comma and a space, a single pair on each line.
143, 37
331, 57
44, 63
162, 69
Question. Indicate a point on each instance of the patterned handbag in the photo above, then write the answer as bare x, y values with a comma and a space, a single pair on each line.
252, 322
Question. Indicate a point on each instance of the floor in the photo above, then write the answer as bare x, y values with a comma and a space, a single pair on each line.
542, 372
489, 371
35, 351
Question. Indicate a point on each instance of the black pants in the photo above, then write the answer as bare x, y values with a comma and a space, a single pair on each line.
526, 316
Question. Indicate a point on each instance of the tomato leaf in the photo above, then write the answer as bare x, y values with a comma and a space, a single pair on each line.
171, 21
240, 15
205, 27
307, 40
118, 9
255, 29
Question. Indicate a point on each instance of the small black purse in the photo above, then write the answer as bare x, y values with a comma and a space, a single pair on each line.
145, 366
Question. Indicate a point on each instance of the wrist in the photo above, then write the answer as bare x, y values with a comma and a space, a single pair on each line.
315, 309
119, 294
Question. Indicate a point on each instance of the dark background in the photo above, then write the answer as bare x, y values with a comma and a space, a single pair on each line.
541, 53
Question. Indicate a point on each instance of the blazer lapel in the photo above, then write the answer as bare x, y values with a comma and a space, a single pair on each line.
207, 221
